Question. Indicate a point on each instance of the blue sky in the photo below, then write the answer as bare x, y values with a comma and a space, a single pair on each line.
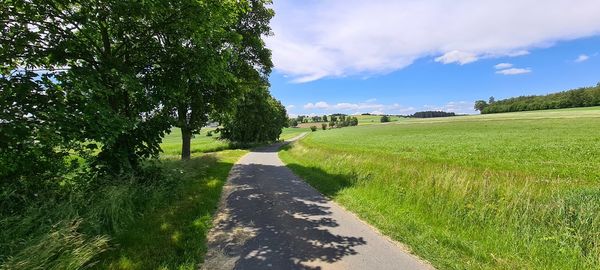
365, 57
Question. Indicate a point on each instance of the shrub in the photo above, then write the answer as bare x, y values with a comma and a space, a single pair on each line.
313, 128
384, 118
324, 126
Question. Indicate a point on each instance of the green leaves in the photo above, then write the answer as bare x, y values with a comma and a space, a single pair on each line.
257, 117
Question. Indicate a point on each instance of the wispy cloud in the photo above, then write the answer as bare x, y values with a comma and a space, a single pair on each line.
357, 108
457, 57
514, 71
503, 66
582, 58
366, 38
460, 107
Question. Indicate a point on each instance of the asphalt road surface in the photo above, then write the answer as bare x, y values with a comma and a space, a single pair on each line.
269, 218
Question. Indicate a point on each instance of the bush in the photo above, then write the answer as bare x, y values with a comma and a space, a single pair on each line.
209, 134
324, 126
384, 119
313, 128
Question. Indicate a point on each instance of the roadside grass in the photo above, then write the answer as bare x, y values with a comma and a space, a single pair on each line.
172, 234
157, 220
504, 191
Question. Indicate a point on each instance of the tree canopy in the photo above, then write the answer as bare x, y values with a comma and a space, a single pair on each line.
582, 97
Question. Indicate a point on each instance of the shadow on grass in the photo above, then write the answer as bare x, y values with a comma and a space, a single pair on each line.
273, 220
170, 233
328, 184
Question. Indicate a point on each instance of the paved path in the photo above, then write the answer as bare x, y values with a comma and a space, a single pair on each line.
270, 219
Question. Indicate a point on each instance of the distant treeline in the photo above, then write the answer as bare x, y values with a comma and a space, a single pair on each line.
432, 114
581, 97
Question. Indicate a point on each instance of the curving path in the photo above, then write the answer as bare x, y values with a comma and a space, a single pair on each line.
270, 219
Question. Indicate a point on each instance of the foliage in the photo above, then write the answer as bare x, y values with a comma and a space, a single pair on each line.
470, 192
384, 119
293, 122
324, 126
100, 225
89, 90
480, 105
582, 97
432, 114
224, 54
313, 128
257, 117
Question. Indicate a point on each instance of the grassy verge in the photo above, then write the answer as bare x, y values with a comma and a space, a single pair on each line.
289, 133
157, 220
508, 191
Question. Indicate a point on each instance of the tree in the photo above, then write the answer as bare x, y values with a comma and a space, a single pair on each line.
219, 51
324, 118
384, 119
324, 126
313, 128
293, 122
491, 100
354, 121
108, 53
257, 118
480, 105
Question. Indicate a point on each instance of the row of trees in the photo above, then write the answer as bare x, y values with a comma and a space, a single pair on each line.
581, 97
306, 119
335, 120
432, 114
107, 79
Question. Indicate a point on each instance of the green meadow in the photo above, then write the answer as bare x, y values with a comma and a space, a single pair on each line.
499, 191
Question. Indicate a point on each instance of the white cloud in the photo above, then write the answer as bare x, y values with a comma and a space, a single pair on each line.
514, 71
317, 105
457, 57
337, 38
377, 112
503, 66
582, 58
291, 106
358, 108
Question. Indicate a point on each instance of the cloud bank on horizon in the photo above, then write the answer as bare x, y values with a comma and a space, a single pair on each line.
338, 38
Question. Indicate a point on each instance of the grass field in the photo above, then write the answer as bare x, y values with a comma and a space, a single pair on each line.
502, 191
362, 121
171, 144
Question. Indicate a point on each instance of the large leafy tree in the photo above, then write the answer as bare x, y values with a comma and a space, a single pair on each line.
108, 52
257, 117
219, 51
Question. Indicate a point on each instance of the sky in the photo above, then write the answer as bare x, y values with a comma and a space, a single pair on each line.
402, 56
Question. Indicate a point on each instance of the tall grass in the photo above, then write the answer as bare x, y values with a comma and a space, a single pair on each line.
474, 193
146, 221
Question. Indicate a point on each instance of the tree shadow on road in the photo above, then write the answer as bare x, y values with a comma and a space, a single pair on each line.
276, 221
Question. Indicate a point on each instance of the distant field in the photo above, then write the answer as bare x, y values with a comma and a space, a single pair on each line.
289, 133
502, 191
171, 144
362, 120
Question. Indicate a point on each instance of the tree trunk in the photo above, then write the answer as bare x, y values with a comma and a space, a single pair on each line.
186, 139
